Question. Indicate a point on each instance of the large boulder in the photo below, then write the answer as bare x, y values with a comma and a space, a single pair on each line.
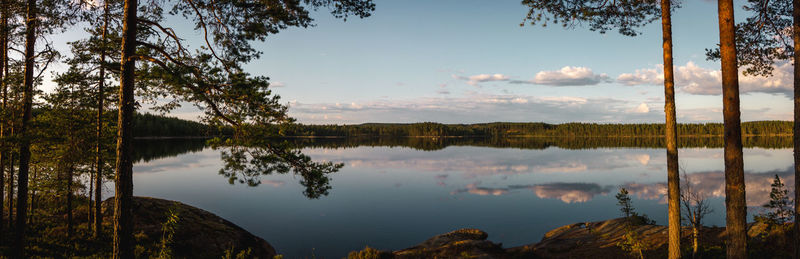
198, 233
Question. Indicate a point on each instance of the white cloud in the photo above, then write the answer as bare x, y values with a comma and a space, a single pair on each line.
651, 76
475, 108
277, 84
567, 76
693, 79
642, 108
481, 78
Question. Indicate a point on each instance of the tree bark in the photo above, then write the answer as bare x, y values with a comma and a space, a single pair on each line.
735, 207
3, 148
98, 192
673, 176
123, 221
24, 149
90, 204
10, 191
695, 241
796, 128
69, 204
33, 198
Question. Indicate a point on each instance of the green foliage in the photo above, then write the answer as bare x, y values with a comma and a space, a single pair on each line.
168, 229
246, 158
762, 38
779, 209
243, 254
624, 203
627, 16
632, 242
367, 253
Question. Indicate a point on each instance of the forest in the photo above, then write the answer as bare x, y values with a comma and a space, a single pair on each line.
149, 125
533, 129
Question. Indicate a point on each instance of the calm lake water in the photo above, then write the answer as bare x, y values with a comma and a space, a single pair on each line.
395, 194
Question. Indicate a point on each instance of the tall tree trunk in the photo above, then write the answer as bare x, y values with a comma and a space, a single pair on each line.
98, 193
123, 221
673, 176
7, 114
90, 204
3, 148
695, 240
10, 192
735, 207
25, 147
796, 129
33, 198
69, 203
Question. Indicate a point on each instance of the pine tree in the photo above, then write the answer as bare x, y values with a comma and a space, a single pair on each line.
779, 208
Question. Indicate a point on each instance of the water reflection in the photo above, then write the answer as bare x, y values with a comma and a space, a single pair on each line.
394, 194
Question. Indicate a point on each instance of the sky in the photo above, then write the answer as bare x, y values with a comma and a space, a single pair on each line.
470, 61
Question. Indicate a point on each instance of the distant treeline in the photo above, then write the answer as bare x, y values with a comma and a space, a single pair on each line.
532, 129
149, 125
431, 144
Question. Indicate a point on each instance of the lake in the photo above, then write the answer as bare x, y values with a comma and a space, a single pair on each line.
393, 194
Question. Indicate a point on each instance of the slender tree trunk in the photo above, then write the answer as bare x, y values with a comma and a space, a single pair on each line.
6, 113
69, 203
33, 198
796, 129
25, 148
90, 204
695, 240
10, 192
673, 176
9, 116
98, 193
123, 221
4, 145
735, 207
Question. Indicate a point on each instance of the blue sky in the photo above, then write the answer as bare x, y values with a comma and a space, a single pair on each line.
468, 61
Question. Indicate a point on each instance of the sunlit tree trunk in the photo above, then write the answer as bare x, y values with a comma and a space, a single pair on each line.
3, 54
796, 129
735, 207
33, 198
673, 176
24, 149
68, 178
98, 192
123, 221
695, 240
90, 204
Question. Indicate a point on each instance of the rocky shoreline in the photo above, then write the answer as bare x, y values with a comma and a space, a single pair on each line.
201, 234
